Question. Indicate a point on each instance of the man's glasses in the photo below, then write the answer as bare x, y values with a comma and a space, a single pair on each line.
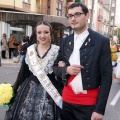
76, 15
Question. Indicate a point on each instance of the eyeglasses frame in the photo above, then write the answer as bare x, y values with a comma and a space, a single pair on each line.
80, 13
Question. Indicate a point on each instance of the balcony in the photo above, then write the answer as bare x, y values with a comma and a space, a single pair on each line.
112, 14
100, 18
111, 23
100, 1
105, 21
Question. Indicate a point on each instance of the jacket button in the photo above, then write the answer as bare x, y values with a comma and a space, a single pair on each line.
67, 49
88, 85
86, 70
85, 50
86, 64
88, 78
85, 56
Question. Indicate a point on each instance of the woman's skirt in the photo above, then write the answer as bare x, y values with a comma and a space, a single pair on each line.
32, 103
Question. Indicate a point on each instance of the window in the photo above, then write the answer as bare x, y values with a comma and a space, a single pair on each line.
26, 1
48, 12
59, 8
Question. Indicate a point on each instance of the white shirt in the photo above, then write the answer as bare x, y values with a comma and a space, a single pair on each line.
78, 41
76, 83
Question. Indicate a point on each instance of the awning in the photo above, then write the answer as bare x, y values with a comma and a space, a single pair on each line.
30, 18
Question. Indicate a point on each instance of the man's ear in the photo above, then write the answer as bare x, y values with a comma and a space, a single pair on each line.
87, 16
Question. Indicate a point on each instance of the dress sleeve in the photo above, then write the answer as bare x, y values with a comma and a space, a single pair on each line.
23, 74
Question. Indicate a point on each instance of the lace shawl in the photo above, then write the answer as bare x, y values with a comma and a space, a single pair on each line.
47, 62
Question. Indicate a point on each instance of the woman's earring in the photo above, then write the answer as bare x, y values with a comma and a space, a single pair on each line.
38, 42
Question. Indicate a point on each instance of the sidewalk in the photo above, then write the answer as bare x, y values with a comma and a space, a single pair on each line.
8, 62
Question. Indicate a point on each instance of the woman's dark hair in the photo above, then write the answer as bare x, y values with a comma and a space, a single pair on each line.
33, 38
77, 4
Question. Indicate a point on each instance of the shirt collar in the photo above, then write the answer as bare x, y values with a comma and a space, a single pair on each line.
82, 35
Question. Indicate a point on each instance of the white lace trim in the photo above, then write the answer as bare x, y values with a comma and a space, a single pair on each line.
47, 62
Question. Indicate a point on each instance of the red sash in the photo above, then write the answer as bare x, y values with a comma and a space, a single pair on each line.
84, 99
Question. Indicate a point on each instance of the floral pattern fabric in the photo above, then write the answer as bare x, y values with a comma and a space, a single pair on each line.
31, 103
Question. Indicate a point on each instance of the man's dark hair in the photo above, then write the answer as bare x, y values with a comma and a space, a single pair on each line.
77, 4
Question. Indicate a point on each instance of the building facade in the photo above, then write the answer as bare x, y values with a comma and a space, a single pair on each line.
20, 16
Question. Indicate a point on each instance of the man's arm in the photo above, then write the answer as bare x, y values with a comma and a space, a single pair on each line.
60, 71
106, 77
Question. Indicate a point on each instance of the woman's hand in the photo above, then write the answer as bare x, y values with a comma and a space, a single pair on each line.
61, 64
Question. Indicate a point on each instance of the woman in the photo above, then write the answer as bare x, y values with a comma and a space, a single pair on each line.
4, 46
32, 102
113, 48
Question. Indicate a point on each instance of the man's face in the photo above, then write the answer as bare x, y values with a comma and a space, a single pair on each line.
78, 22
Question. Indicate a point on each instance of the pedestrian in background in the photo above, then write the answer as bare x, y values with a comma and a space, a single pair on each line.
116, 74
114, 56
4, 46
36, 88
11, 46
23, 49
87, 75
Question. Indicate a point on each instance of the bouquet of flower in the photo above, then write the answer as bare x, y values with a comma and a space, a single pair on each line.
6, 93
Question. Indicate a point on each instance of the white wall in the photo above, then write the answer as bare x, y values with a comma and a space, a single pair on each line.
94, 23
4, 28
28, 30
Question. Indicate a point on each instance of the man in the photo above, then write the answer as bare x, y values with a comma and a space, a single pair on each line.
11, 45
87, 74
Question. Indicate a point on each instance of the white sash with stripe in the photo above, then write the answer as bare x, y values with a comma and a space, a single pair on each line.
41, 75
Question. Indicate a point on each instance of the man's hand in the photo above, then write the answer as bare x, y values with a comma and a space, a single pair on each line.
96, 116
74, 69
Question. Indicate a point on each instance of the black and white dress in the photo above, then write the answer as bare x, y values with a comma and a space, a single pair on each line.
32, 102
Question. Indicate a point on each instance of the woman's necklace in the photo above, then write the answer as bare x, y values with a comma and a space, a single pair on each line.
42, 57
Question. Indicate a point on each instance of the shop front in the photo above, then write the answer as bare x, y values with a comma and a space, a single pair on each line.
20, 23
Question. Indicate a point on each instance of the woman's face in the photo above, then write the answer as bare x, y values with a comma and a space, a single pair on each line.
43, 34
112, 43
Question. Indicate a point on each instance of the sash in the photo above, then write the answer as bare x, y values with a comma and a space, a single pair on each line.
42, 77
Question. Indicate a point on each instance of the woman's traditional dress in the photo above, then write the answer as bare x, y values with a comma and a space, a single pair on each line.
32, 102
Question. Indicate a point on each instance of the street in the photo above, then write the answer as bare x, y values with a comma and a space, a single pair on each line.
8, 73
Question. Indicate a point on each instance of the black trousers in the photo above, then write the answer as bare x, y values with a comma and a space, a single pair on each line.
3, 54
77, 112
11, 50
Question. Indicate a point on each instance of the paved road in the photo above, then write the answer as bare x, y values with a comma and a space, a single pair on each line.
9, 74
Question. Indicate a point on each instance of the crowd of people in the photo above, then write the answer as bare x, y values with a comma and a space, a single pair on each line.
67, 82
13, 47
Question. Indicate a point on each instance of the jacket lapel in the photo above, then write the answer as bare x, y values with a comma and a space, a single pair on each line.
70, 46
88, 42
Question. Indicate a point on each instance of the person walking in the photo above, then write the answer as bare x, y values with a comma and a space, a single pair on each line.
87, 74
36, 89
114, 56
4, 46
11, 46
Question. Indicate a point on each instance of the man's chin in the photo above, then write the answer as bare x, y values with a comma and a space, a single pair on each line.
75, 29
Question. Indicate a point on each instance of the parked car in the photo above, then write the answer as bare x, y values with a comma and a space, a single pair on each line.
118, 47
